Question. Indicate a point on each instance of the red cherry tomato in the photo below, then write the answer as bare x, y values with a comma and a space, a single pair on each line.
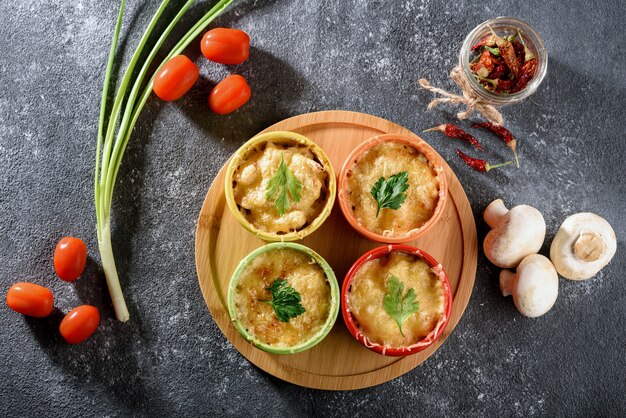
226, 46
229, 95
70, 257
79, 324
175, 78
30, 299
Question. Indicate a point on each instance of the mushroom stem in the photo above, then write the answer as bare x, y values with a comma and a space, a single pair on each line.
495, 212
589, 246
506, 282
584, 244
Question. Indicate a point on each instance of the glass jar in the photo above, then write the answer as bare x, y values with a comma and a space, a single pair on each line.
504, 26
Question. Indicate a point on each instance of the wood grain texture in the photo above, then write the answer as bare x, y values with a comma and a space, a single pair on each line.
338, 362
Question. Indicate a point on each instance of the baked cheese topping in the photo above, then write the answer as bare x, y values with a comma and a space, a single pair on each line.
385, 160
250, 187
302, 273
368, 289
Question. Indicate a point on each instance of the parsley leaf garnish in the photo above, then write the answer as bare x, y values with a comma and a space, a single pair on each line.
282, 186
398, 307
390, 193
285, 300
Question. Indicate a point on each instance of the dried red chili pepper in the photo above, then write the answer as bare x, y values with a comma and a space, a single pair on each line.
452, 131
485, 64
504, 86
503, 134
528, 72
498, 72
508, 55
478, 164
488, 40
519, 52
528, 54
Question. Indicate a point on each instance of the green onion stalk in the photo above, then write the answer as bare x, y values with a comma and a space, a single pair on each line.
112, 143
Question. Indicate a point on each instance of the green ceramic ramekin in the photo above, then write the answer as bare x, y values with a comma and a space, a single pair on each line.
334, 296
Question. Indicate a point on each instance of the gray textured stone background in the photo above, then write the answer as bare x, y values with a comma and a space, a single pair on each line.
171, 359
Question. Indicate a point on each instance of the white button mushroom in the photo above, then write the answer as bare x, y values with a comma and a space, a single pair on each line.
534, 287
515, 233
584, 244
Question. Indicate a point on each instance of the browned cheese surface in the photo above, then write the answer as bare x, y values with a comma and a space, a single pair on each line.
368, 289
386, 160
304, 275
252, 177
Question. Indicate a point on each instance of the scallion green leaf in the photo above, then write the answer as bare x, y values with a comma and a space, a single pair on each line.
110, 147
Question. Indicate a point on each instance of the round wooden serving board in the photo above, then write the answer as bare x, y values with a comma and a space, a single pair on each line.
339, 362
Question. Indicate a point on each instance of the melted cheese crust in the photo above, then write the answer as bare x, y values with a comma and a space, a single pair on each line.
250, 187
385, 160
368, 289
303, 274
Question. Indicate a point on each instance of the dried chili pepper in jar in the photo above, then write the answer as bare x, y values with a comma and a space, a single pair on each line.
503, 63
518, 48
488, 40
528, 72
507, 52
498, 72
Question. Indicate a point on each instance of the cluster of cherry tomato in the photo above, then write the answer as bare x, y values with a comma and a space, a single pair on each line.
221, 45
70, 257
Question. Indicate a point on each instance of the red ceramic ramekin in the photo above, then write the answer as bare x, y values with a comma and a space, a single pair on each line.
353, 159
396, 351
